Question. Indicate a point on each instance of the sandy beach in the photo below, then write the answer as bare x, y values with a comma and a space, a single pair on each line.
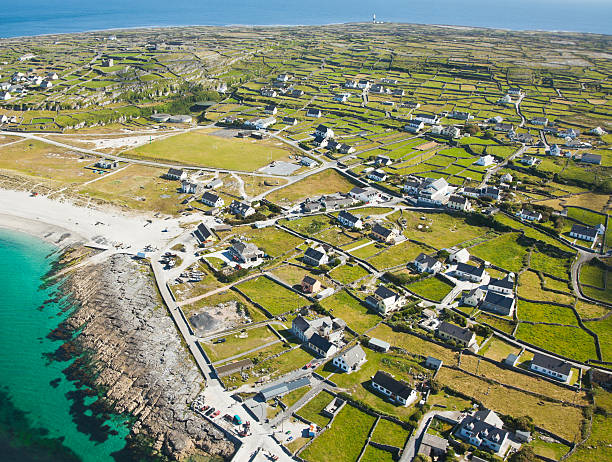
63, 223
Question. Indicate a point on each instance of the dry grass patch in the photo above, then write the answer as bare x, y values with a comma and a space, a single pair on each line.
326, 182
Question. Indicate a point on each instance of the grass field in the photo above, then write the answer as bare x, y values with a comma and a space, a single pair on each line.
271, 240
202, 148
373, 454
357, 316
346, 274
396, 255
272, 296
432, 288
603, 329
567, 341
235, 345
498, 350
344, 440
561, 420
503, 251
550, 265
53, 164
539, 312
137, 187
311, 411
326, 182
594, 274
590, 310
390, 433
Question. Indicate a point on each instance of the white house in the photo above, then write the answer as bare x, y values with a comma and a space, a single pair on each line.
384, 300
585, 233
506, 178
529, 215
351, 360
450, 132
457, 202
414, 126
460, 335
551, 367
426, 264
176, 174
470, 272
473, 297
315, 256
316, 113
323, 131
430, 119
485, 161
397, 391
241, 209
555, 150
5, 96
364, 195
503, 286
540, 121
349, 220
212, 199
187, 187
377, 175
484, 429
459, 256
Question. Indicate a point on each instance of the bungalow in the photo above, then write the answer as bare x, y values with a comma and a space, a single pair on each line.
460, 115
187, 187
283, 77
433, 446
382, 234
459, 256
384, 300
412, 185
314, 113
241, 209
498, 303
506, 178
529, 215
203, 233
351, 360
175, 174
461, 335
555, 150
46, 84
388, 81
269, 93
430, 119
5, 96
515, 91
502, 286
364, 84
484, 429
377, 175
591, 158
383, 161
342, 97
457, 202
349, 220
470, 272
212, 200
491, 192
540, 121
245, 252
504, 100
350, 84
297, 93
414, 126
485, 161
323, 132
310, 285
397, 391
426, 264
103, 163
290, 120
398, 92
528, 160
412, 105
526, 138
471, 192
344, 148
585, 233
363, 195
450, 132
321, 346
271, 109
315, 256
321, 141
378, 88
473, 297
551, 367
504, 128
433, 363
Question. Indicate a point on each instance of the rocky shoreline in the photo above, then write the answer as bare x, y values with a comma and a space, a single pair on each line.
129, 352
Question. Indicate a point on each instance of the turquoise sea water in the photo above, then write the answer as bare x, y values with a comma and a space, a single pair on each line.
36, 17
43, 416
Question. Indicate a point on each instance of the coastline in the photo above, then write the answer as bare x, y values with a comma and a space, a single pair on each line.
336, 23
50, 233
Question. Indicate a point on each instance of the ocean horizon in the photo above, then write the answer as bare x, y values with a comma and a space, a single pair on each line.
72, 16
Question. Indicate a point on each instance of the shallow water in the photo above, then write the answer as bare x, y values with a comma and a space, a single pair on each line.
43, 416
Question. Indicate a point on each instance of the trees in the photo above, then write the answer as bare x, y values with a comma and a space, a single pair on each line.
526, 454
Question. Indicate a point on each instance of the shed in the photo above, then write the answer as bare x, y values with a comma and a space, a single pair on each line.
377, 344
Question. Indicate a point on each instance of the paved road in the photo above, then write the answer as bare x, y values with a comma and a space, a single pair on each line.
415, 440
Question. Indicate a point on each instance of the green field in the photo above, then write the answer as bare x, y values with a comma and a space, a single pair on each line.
357, 316
238, 343
566, 341
272, 296
311, 411
390, 433
203, 149
432, 288
344, 441
503, 251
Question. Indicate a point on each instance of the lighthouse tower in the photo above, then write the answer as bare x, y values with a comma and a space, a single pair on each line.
374, 18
